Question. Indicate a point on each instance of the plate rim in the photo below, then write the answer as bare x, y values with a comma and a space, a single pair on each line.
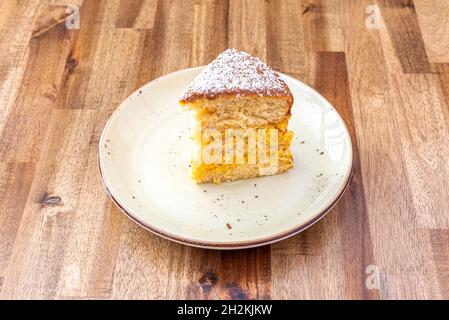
228, 245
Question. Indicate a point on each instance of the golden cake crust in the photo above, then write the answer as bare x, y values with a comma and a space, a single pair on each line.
236, 73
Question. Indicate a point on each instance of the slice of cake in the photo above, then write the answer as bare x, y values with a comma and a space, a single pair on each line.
242, 108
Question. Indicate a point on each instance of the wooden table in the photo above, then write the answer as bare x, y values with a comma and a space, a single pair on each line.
386, 71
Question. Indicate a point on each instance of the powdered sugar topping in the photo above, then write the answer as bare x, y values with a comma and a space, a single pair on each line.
236, 72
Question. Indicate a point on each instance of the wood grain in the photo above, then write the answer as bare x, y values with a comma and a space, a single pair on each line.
247, 29
433, 16
423, 146
62, 238
138, 14
322, 21
25, 126
14, 50
402, 25
14, 188
285, 34
392, 212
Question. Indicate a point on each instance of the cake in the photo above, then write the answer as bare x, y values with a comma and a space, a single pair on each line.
241, 108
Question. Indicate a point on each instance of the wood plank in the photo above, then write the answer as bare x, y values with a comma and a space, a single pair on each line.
332, 81
322, 25
26, 124
91, 248
77, 3
128, 12
138, 14
240, 275
423, 139
247, 29
14, 50
55, 209
148, 267
403, 28
14, 187
424, 145
76, 81
203, 269
439, 238
433, 17
389, 200
207, 39
48, 17
166, 41
47, 222
87, 270
442, 69
210, 31
285, 36
246, 274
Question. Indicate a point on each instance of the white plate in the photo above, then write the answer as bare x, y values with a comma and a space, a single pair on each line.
144, 157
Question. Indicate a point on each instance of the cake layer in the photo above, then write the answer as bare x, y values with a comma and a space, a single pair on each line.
225, 173
242, 155
240, 112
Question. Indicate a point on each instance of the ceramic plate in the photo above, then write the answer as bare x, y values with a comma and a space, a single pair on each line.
144, 163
